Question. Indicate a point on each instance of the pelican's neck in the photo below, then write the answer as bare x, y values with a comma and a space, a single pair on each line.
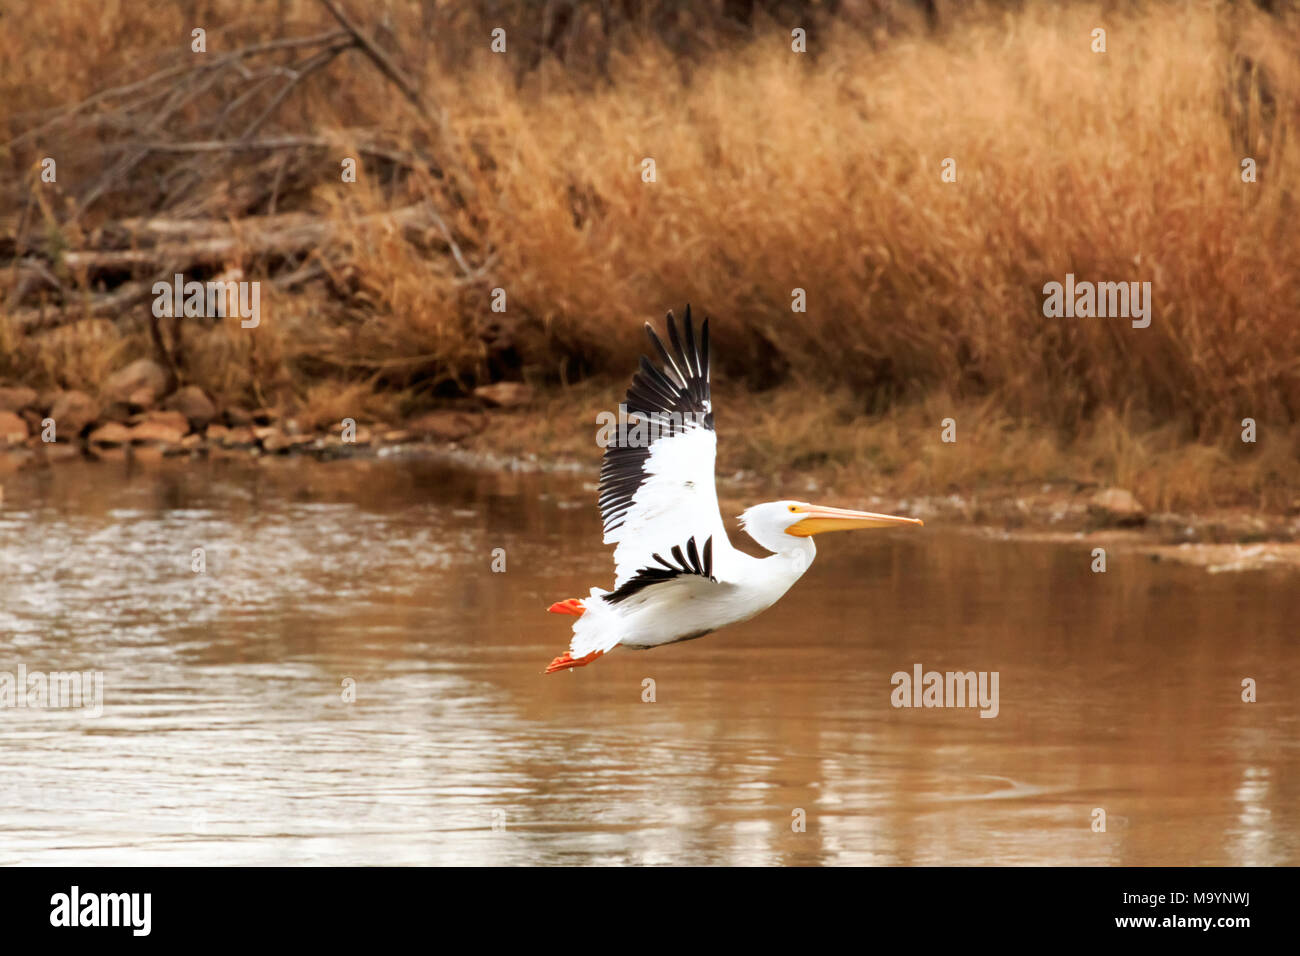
804, 552
799, 547
790, 558
774, 575
793, 556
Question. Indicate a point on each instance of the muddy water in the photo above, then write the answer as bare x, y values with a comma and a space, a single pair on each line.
224, 735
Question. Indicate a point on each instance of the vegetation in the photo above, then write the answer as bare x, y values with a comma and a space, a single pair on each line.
774, 171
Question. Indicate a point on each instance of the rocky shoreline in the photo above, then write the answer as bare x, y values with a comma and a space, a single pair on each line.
135, 416
135, 412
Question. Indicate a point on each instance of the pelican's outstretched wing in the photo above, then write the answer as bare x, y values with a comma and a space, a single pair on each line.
656, 482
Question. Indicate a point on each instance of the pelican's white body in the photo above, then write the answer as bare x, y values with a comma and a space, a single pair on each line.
676, 576
692, 606
677, 500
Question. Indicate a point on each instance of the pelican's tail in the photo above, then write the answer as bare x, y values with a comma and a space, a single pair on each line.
596, 630
571, 606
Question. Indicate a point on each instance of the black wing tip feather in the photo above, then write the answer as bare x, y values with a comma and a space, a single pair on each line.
680, 382
696, 561
672, 389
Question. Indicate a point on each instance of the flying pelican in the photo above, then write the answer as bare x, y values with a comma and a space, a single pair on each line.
676, 576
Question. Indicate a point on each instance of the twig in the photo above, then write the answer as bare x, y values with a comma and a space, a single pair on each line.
155, 78
30, 321
471, 275
123, 166
286, 234
297, 75
266, 143
382, 60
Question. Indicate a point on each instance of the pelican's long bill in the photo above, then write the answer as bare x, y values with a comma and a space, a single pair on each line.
821, 518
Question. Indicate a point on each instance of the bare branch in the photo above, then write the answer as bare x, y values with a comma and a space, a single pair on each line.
383, 61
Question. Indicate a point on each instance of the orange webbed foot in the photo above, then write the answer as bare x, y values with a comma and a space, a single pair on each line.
566, 662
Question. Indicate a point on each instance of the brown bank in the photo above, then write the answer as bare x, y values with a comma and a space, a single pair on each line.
509, 425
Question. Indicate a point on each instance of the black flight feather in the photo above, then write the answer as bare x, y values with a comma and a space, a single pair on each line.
687, 564
672, 397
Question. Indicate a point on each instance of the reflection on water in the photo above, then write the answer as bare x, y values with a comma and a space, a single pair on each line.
225, 737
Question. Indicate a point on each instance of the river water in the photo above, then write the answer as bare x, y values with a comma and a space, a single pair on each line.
345, 678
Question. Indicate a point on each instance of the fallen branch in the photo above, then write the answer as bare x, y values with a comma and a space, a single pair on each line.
246, 237
113, 305
286, 236
271, 143
151, 81
384, 62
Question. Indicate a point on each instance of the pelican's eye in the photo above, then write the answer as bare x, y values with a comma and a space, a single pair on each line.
793, 508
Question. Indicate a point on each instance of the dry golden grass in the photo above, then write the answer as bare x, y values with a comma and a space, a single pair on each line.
790, 436
776, 172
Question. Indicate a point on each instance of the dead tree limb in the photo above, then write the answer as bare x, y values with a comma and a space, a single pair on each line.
384, 62
268, 143
152, 81
290, 234
435, 117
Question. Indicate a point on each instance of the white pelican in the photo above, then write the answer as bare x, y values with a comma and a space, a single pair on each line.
676, 576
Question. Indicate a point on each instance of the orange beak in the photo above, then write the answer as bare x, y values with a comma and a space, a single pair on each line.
819, 518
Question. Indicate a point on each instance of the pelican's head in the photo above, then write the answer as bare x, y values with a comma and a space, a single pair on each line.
773, 523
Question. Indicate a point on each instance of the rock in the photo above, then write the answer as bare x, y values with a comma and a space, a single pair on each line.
445, 426
119, 412
16, 399
237, 416
13, 430
140, 383
239, 437
194, 404
16, 459
505, 394
159, 433
111, 434
276, 441
142, 398
72, 412
1115, 506
174, 420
